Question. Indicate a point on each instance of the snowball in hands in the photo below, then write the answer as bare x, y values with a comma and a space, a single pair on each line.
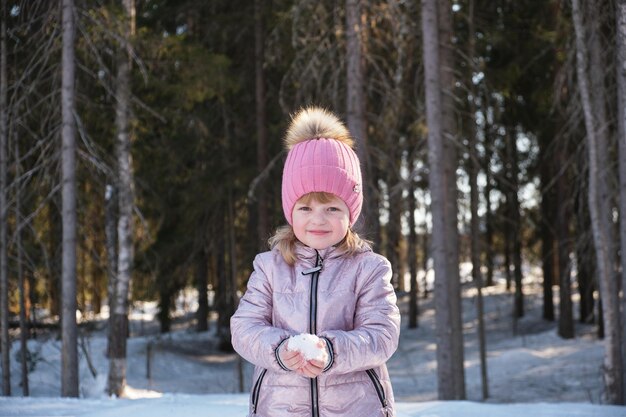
307, 345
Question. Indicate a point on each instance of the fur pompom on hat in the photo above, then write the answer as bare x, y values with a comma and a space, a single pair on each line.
320, 159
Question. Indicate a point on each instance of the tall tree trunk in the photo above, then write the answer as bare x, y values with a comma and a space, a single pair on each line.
450, 371
489, 218
69, 352
165, 302
225, 309
393, 232
566, 316
232, 282
515, 221
412, 255
489, 255
221, 277
5, 343
398, 147
621, 122
117, 361
476, 263
449, 143
426, 252
585, 257
261, 124
600, 212
20, 276
94, 254
110, 230
472, 172
599, 95
55, 251
202, 283
604, 139
355, 114
547, 221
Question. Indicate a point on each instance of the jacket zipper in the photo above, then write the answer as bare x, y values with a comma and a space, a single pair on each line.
256, 390
313, 296
380, 391
315, 273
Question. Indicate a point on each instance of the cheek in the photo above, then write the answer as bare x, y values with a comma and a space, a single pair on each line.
342, 221
296, 217
297, 225
341, 226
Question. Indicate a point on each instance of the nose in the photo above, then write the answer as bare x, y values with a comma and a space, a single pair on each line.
318, 217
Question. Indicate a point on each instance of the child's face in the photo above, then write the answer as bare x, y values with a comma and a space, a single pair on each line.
320, 225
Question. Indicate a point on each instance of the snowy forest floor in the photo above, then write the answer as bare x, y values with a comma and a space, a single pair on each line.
533, 365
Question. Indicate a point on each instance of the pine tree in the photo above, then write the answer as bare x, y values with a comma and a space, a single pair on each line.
69, 367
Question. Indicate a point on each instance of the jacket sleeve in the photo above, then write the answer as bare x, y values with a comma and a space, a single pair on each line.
376, 326
253, 335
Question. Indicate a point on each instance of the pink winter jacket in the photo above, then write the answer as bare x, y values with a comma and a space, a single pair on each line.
349, 302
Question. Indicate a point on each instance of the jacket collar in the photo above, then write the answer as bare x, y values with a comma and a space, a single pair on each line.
308, 255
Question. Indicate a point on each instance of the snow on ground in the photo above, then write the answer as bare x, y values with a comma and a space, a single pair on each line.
530, 372
231, 405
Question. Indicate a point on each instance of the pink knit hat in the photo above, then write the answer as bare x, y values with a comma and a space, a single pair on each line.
320, 159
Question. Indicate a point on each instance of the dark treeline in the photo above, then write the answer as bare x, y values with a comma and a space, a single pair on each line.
211, 86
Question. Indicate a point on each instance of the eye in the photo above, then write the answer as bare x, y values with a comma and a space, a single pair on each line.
334, 209
304, 208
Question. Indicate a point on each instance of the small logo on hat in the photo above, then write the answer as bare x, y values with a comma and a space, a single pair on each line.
357, 188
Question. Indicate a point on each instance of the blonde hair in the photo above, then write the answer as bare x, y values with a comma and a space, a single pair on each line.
285, 239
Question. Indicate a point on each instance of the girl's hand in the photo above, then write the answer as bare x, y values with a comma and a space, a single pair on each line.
314, 368
292, 359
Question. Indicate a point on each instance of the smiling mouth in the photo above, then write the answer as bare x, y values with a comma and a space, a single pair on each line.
318, 232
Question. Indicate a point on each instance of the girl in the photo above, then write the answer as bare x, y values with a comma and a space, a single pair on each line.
320, 278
